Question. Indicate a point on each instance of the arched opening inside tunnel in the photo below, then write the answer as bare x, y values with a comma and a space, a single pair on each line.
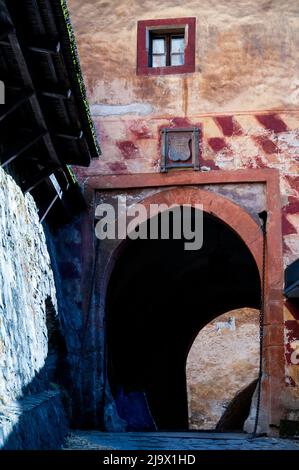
159, 297
222, 370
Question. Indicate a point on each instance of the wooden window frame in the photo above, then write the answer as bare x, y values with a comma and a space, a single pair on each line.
167, 35
147, 27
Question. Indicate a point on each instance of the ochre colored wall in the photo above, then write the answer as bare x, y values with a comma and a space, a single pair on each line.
247, 58
244, 95
243, 51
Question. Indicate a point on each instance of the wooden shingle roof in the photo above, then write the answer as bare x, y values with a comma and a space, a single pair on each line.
45, 123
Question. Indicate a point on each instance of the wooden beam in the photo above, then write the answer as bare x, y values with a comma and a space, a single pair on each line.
69, 136
8, 29
26, 76
46, 49
38, 178
49, 207
12, 154
20, 59
9, 108
63, 94
60, 94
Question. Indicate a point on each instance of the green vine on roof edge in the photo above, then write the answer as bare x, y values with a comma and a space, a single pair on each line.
78, 70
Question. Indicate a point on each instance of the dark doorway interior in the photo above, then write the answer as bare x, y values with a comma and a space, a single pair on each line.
158, 298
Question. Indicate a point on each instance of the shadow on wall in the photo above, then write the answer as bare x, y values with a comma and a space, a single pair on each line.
39, 419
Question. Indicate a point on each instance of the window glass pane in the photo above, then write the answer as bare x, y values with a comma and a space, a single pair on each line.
158, 46
159, 60
177, 45
177, 59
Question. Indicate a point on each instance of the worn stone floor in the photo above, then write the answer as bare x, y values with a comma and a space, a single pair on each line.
95, 440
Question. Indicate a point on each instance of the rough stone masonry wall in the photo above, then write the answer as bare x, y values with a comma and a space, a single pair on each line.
26, 283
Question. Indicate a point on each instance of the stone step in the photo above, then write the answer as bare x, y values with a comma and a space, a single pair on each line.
34, 422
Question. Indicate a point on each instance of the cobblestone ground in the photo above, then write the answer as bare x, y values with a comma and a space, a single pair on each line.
94, 440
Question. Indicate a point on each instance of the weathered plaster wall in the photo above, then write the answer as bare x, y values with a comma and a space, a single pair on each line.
222, 361
250, 197
27, 286
244, 95
240, 63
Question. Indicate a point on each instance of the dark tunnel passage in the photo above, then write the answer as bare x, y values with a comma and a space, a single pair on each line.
159, 297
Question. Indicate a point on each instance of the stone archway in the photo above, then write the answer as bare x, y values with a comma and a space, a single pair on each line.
222, 370
247, 229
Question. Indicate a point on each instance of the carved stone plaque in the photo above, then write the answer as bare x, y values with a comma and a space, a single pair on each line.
180, 148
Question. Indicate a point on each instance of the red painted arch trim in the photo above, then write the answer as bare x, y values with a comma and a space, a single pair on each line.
179, 187
234, 216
